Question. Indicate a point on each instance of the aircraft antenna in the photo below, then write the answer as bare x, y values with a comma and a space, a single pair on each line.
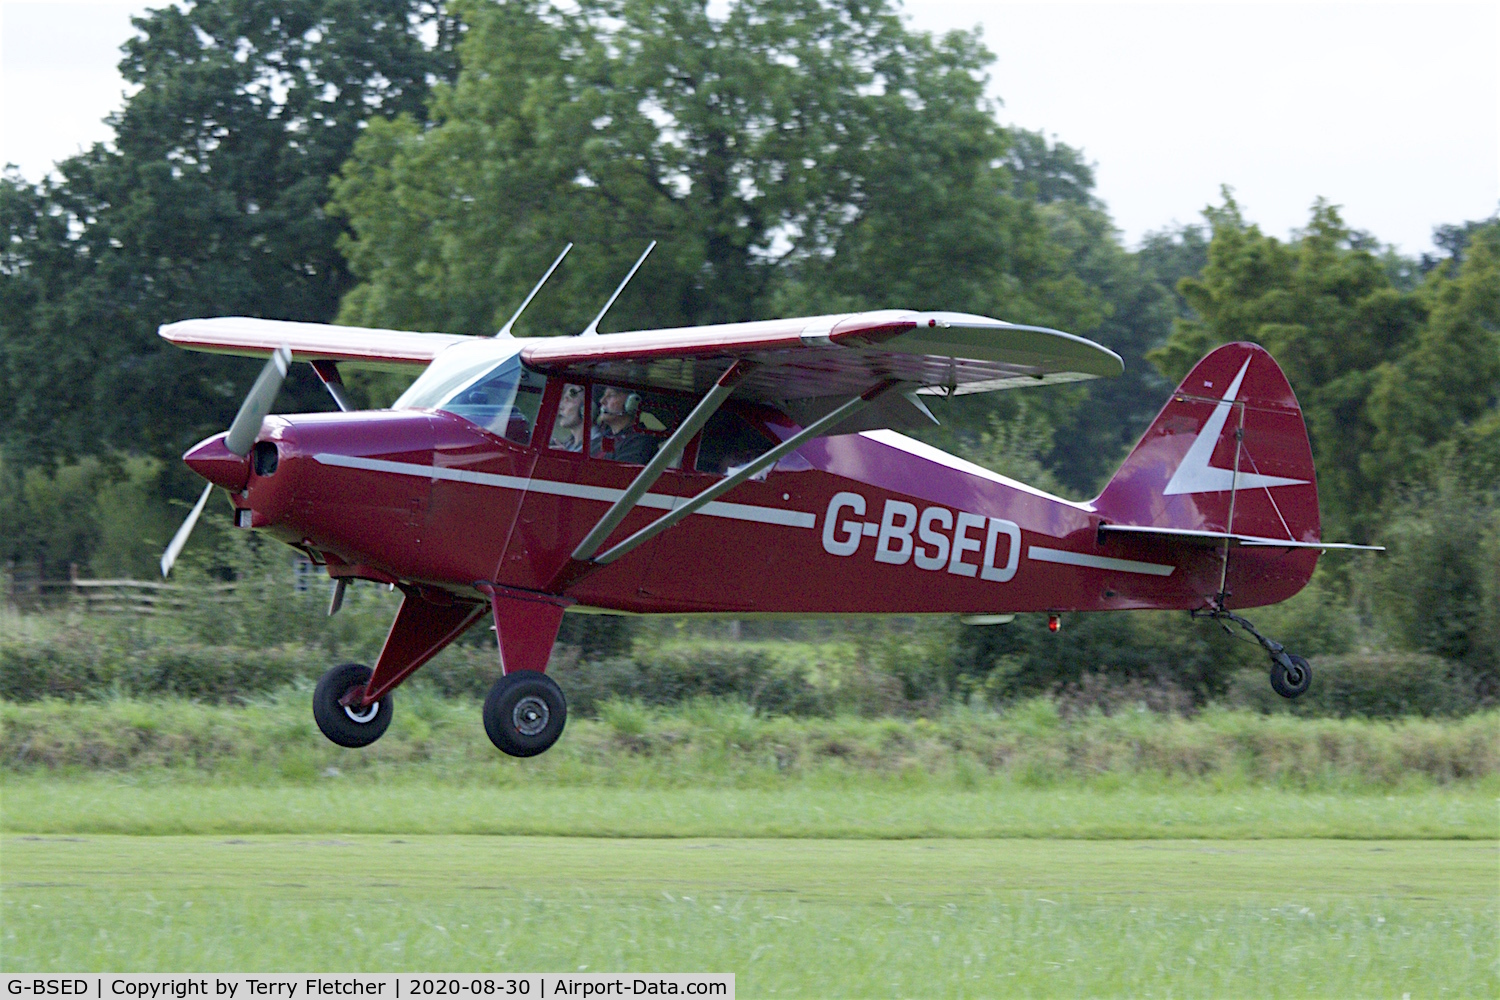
592, 330
505, 330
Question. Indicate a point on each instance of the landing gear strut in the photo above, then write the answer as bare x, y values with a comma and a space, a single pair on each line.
1290, 674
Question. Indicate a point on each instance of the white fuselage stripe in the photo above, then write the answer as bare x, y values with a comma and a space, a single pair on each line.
1067, 558
659, 501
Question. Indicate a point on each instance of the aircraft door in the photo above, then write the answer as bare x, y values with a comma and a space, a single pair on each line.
567, 493
483, 460
476, 491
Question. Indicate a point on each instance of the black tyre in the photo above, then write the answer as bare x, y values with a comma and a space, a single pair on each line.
525, 713
349, 727
1290, 680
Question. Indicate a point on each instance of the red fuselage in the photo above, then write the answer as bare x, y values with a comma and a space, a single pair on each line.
873, 522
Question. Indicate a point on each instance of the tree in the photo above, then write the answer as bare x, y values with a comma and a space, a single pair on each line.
1439, 586
1095, 424
1048, 171
1451, 241
209, 202
1083, 432
792, 155
1446, 386
1325, 307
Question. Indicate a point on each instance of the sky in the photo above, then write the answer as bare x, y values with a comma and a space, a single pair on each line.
1391, 111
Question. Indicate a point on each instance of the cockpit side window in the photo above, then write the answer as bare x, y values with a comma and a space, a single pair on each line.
570, 424
629, 426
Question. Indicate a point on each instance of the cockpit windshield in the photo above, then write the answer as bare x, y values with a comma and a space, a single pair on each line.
503, 401
496, 393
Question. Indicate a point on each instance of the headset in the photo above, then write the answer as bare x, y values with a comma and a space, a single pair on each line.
632, 404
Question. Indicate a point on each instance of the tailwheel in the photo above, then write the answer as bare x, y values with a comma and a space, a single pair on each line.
1290, 675
524, 713
351, 724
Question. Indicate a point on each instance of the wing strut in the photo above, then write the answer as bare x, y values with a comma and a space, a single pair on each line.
665, 455
328, 374
765, 461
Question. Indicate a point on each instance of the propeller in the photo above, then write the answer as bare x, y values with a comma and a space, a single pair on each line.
174, 548
239, 439
257, 404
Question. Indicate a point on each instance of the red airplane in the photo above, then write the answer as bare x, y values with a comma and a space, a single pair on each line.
742, 469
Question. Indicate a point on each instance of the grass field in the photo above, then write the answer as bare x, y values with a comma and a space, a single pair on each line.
789, 918
851, 808
973, 854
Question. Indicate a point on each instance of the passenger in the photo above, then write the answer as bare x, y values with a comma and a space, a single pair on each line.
567, 430
618, 435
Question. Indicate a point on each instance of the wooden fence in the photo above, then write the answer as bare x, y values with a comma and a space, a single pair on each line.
28, 592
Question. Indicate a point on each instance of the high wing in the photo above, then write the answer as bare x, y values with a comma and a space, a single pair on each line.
789, 360
821, 356
395, 350
835, 374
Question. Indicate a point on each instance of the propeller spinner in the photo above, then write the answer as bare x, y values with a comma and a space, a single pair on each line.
238, 441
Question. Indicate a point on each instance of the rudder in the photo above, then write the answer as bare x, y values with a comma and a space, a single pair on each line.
1183, 473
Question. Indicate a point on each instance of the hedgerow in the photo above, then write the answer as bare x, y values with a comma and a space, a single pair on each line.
714, 742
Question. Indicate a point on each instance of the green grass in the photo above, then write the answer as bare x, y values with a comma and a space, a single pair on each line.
974, 854
812, 809
722, 745
174, 767
789, 918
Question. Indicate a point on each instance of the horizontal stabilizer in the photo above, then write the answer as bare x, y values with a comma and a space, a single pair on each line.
1219, 537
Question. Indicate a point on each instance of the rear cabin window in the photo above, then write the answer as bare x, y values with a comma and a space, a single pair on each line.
730, 441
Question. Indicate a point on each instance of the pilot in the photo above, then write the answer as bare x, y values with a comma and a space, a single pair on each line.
567, 430
618, 434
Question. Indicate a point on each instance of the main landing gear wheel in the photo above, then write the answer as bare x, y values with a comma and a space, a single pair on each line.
1290, 678
524, 713
349, 725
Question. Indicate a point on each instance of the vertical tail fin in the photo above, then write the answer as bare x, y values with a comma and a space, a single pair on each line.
1228, 453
